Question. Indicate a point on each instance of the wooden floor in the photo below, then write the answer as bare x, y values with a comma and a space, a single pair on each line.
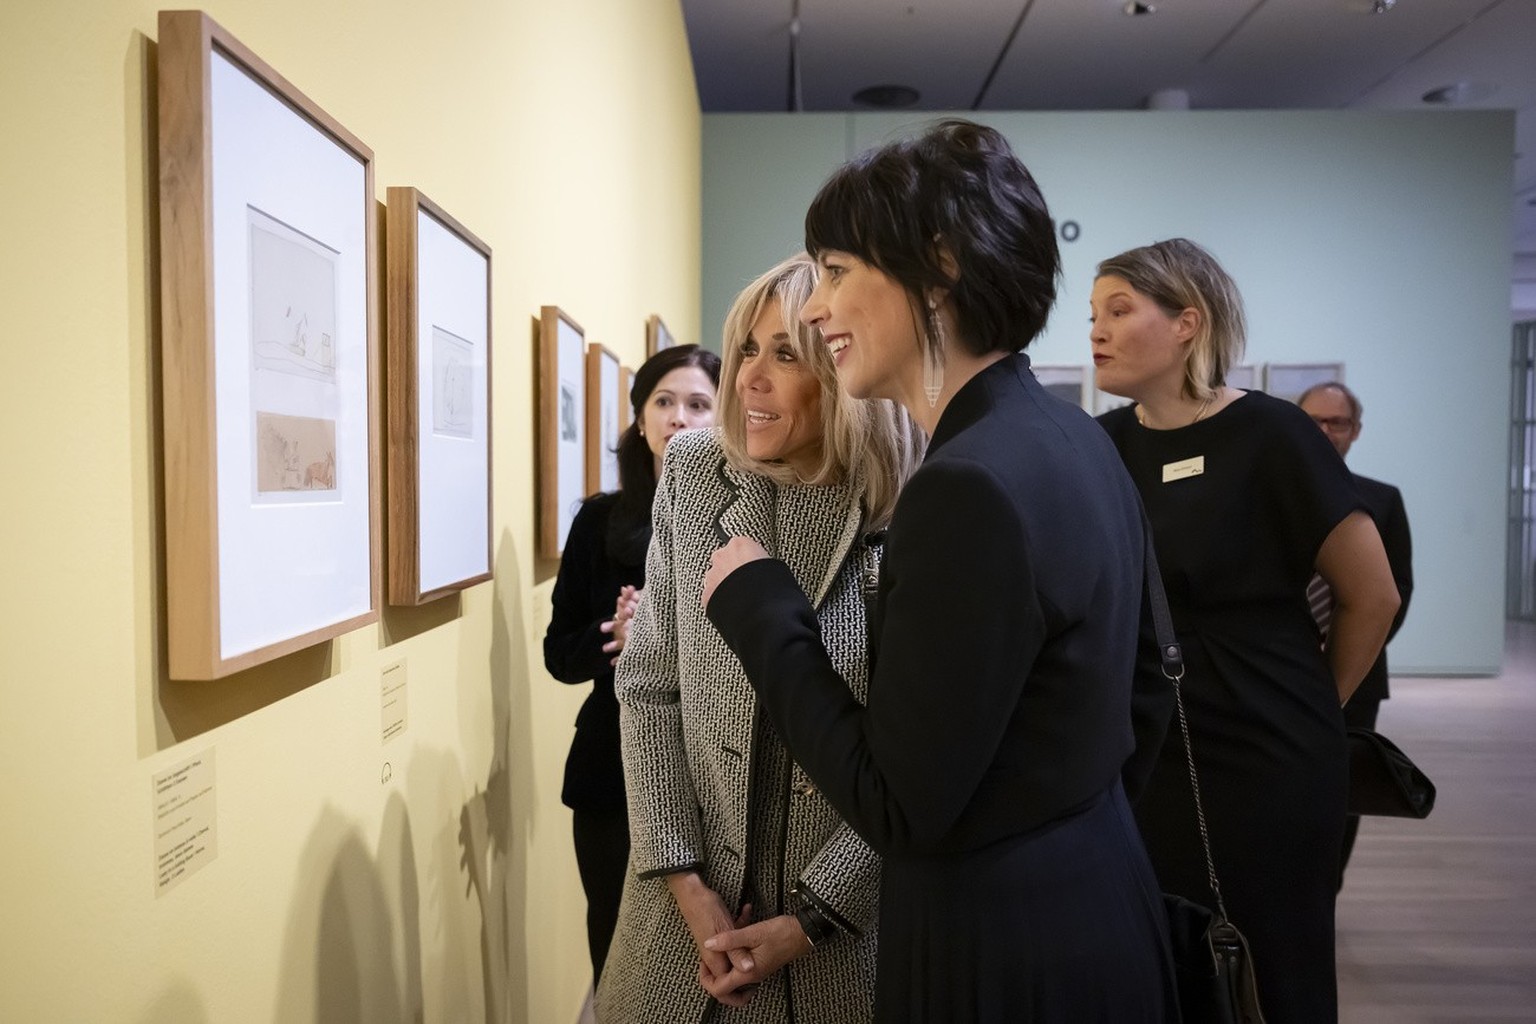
1437, 920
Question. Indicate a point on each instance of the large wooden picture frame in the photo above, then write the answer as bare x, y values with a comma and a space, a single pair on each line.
604, 377
626, 406
657, 337
562, 424
270, 362
439, 393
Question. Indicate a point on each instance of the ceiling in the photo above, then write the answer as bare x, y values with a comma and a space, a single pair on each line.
814, 55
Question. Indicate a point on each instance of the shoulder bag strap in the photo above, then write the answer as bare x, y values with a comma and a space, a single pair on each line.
1172, 656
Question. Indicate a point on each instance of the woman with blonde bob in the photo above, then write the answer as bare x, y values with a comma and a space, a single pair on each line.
727, 832
1247, 500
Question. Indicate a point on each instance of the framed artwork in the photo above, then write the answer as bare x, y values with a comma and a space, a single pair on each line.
439, 392
561, 427
626, 407
603, 402
1068, 382
1246, 377
657, 337
1288, 380
270, 364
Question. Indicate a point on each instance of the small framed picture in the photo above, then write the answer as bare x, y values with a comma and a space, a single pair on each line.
603, 428
561, 427
1245, 377
1287, 381
439, 391
657, 337
1068, 382
268, 278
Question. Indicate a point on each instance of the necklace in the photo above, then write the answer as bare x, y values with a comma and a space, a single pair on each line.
1141, 417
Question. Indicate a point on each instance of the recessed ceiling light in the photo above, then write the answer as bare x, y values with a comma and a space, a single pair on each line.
1382, 6
1459, 92
887, 97
1136, 8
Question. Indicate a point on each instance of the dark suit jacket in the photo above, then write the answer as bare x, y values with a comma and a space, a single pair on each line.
585, 593
1385, 504
1005, 634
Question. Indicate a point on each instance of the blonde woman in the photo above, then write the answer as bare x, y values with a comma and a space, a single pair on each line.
726, 830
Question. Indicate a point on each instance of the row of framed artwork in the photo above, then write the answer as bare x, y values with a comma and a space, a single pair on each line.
1281, 380
271, 374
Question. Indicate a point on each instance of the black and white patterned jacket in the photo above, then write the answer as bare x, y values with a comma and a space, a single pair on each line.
688, 719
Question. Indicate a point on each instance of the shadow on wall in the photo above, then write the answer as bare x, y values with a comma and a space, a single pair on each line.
179, 1002
501, 810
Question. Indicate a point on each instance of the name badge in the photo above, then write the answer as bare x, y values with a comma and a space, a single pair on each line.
1183, 469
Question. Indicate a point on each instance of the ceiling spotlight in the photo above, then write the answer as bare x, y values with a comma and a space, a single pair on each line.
1458, 92
1136, 8
886, 97
1382, 6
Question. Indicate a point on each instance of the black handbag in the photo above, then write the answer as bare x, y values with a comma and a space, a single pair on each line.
1213, 967
1383, 780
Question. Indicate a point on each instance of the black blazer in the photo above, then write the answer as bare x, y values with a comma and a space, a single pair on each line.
585, 593
1385, 504
1005, 633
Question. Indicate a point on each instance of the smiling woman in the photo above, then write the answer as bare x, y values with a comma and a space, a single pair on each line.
727, 831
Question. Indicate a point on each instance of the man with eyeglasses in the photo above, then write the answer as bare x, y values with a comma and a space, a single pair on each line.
1335, 409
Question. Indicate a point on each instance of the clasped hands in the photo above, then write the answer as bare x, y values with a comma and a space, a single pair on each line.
735, 957
624, 608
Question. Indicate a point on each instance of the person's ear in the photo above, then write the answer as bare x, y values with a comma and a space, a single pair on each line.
1187, 324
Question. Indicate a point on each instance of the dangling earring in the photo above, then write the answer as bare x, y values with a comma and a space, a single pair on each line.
933, 355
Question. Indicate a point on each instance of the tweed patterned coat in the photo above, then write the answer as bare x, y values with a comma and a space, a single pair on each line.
688, 720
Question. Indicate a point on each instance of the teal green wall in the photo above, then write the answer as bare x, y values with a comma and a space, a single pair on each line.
1378, 239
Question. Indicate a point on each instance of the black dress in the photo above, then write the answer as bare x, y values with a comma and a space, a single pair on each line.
986, 767
1237, 543
592, 571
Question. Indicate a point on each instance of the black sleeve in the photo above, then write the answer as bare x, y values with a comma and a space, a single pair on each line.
1395, 538
1151, 704
960, 631
573, 644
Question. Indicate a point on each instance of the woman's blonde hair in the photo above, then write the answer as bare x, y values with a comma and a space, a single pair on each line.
1177, 274
873, 439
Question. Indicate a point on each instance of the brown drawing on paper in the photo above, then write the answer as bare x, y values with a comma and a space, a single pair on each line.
293, 300
453, 384
294, 453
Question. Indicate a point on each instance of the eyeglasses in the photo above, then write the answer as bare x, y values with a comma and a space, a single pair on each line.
1335, 424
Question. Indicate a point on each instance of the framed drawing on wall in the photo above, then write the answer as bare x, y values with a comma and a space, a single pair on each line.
1245, 377
1068, 382
439, 394
561, 427
626, 407
603, 429
1287, 381
270, 365
657, 337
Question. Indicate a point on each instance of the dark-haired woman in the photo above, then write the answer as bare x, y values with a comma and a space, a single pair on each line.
986, 768
603, 566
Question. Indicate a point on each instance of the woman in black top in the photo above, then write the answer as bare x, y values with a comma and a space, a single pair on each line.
986, 767
603, 565
1246, 498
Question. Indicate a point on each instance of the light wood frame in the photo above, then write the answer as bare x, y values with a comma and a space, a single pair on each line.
202, 599
603, 368
657, 337
562, 480
441, 524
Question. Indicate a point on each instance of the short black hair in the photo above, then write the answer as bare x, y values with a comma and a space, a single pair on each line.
958, 189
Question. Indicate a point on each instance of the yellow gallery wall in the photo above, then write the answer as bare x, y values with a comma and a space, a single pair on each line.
426, 878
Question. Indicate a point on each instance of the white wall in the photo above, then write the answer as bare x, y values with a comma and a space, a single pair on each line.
1378, 239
